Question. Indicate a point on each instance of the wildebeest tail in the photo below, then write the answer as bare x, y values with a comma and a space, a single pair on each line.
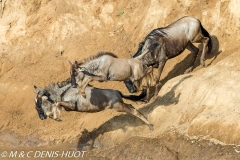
206, 34
135, 97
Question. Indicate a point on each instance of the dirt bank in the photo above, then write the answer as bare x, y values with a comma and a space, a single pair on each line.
170, 146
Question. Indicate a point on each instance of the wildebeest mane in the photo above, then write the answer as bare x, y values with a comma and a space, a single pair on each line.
64, 83
98, 55
52, 90
58, 84
159, 32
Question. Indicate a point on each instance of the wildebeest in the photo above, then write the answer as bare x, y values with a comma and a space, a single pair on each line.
106, 66
79, 78
169, 42
50, 100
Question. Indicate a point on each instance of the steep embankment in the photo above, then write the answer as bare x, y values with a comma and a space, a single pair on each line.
37, 39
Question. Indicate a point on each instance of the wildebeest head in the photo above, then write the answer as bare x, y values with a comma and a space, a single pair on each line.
73, 73
42, 104
129, 84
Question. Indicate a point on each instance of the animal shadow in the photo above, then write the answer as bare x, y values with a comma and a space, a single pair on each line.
87, 139
180, 67
167, 99
215, 50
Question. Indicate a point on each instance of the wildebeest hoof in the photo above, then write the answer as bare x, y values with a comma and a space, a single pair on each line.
151, 127
202, 63
83, 94
58, 120
155, 97
157, 89
145, 100
188, 70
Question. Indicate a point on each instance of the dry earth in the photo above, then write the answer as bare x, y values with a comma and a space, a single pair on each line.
195, 116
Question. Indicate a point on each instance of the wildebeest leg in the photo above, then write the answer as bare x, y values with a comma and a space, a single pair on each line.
55, 109
85, 82
128, 108
205, 49
148, 70
147, 97
89, 79
194, 52
148, 83
160, 69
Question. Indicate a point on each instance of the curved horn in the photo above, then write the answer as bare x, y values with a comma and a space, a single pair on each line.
75, 64
70, 62
36, 88
39, 90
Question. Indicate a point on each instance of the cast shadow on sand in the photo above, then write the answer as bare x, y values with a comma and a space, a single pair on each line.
180, 67
167, 99
87, 139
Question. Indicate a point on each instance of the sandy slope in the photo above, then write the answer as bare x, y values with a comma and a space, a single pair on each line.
37, 39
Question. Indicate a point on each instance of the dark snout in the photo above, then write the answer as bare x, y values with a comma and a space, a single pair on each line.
40, 110
130, 86
42, 116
